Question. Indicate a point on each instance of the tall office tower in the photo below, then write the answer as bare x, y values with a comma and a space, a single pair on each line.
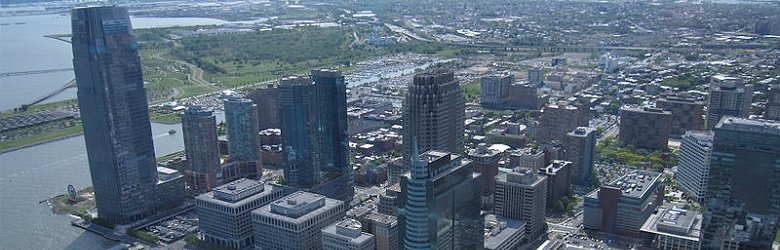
267, 100
694, 164
535, 76
580, 149
647, 128
201, 145
494, 89
728, 97
558, 120
295, 221
622, 206
115, 113
742, 190
314, 133
485, 162
347, 235
773, 104
242, 128
224, 214
527, 158
686, 113
434, 115
439, 205
558, 181
522, 195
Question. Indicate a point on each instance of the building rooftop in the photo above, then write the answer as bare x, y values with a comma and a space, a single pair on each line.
225, 199
519, 175
677, 222
636, 183
581, 131
349, 229
238, 189
483, 151
499, 229
165, 174
749, 125
298, 207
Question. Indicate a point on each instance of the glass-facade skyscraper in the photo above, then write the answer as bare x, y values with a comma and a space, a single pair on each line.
114, 113
313, 111
439, 205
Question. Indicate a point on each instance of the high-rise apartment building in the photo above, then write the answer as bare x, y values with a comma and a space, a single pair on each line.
580, 149
772, 111
647, 128
485, 162
114, 113
521, 194
687, 114
742, 189
242, 128
622, 206
494, 89
558, 181
556, 121
224, 213
267, 100
295, 221
728, 97
440, 189
201, 145
694, 164
314, 133
347, 235
535, 76
434, 115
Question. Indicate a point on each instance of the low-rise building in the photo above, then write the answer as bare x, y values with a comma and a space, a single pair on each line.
295, 221
224, 213
623, 205
502, 233
347, 235
673, 228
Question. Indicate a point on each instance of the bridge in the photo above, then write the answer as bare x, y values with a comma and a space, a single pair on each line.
32, 72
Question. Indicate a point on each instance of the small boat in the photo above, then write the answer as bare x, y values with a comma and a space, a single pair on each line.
172, 131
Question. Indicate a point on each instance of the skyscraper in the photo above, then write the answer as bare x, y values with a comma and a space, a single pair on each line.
522, 195
242, 128
728, 97
580, 150
494, 89
439, 205
314, 133
743, 191
114, 113
434, 115
267, 100
202, 150
694, 167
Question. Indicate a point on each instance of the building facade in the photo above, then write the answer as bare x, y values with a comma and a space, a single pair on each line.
267, 100
772, 111
558, 181
494, 89
521, 194
673, 229
742, 188
439, 205
224, 213
485, 162
527, 158
433, 117
114, 113
728, 97
347, 235
502, 233
295, 221
687, 114
314, 133
202, 150
647, 128
580, 150
694, 164
556, 121
242, 128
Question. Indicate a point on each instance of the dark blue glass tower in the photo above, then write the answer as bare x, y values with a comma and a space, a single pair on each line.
314, 133
114, 113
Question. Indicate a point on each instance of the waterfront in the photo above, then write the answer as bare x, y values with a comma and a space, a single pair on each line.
30, 175
36, 173
24, 48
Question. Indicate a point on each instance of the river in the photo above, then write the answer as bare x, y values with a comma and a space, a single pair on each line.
23, 47
32, 174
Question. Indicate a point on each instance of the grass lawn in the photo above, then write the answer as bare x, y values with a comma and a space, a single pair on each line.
165, 118
41, 137
777, 238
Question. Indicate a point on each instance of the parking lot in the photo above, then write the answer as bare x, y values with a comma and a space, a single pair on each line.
173, 229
